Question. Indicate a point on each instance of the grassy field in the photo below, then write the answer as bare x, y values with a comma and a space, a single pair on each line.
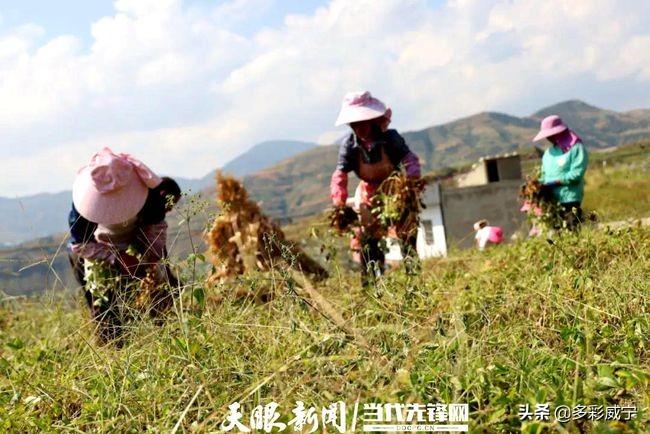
564, 322
618, 184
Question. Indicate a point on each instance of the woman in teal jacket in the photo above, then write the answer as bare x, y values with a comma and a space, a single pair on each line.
563, 168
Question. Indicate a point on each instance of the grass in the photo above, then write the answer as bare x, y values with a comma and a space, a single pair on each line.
564, 321
617, 186
561, 322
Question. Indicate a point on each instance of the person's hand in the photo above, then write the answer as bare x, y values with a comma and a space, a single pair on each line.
342, 217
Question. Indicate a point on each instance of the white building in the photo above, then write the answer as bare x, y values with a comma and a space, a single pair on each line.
488, 191
431, 238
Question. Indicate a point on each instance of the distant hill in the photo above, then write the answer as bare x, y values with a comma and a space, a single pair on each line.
470, 138
264, 155
259, 157
296, 187
30, 217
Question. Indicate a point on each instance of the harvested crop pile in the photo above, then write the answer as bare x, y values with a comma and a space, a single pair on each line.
243, 239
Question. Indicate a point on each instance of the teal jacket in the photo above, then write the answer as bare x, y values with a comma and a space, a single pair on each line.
568, 168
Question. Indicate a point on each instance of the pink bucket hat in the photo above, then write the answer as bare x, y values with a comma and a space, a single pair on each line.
551, 125
360, 106
112, 188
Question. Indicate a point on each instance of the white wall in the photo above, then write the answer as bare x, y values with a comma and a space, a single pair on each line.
431, 222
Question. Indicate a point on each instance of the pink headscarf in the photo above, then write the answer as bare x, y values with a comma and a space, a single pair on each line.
566, 140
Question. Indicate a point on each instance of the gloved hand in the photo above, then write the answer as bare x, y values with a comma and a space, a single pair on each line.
342, 217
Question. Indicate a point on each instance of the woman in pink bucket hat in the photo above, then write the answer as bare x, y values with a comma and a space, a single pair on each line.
373, 152
563, 168
118, 233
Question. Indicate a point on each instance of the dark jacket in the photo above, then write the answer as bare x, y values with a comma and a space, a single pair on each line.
351, 152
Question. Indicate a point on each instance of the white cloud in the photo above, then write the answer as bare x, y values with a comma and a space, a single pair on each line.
178, 86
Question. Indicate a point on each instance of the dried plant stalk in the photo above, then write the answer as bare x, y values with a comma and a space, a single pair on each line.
243, 239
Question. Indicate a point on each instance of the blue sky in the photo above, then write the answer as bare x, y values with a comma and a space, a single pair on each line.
59, 17
187, 85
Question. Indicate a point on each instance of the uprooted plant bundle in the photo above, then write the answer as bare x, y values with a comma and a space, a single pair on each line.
541, 211
243, 239
119, 297
398, 202
343, 219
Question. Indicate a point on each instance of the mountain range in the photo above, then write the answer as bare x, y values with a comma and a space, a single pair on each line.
290, 178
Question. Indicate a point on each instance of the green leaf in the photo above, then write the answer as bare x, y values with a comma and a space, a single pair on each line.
605, 383
16, 344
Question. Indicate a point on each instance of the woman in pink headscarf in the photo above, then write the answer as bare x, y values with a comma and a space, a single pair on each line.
563, 168
373, 152
118, 235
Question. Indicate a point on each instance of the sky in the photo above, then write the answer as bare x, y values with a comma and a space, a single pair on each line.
187, 85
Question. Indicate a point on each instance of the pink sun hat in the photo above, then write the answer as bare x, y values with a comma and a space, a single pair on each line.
551, 125
360, 106
112, 188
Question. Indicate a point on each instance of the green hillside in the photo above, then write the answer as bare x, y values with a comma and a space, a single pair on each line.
471, 138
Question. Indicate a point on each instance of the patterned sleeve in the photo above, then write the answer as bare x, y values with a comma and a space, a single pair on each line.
153, 240
339, 187
412, 165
